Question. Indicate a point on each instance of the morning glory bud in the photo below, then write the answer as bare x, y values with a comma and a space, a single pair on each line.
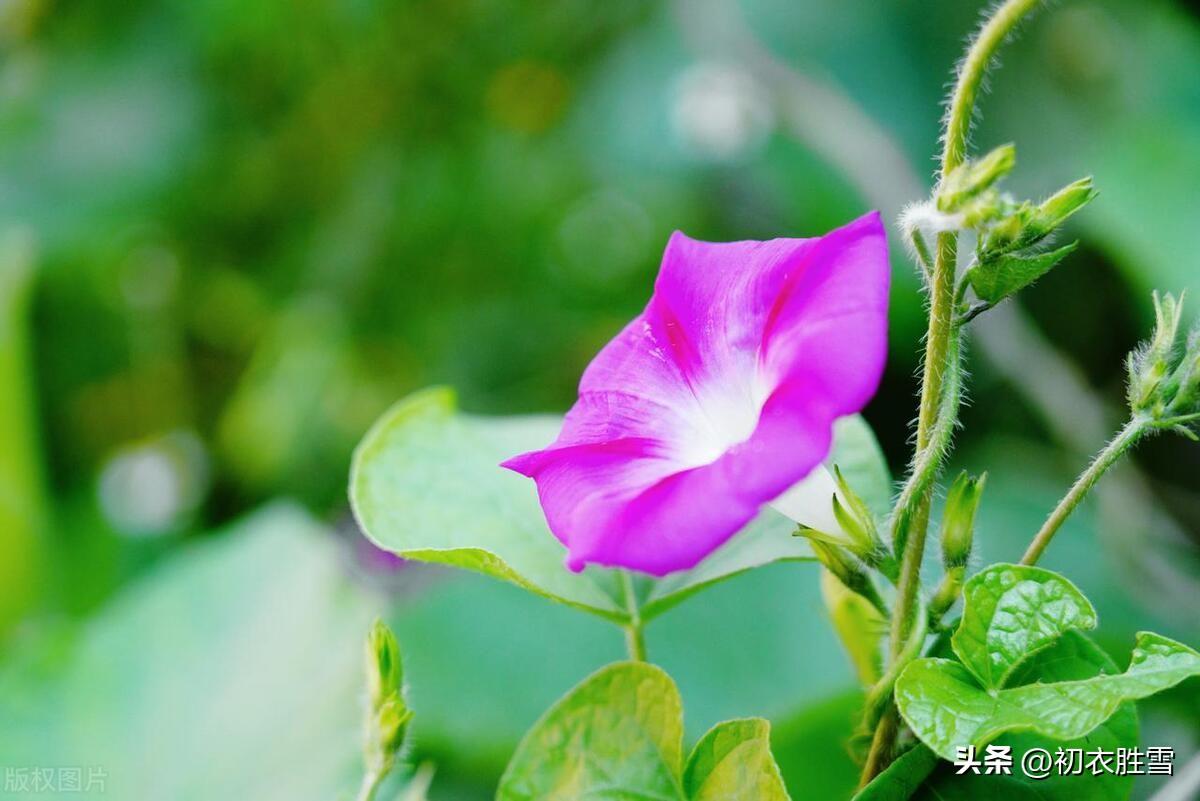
1024, 225
384, 670
1189, 370
1152, 365
847, 570
958, 520
391, 724
387, 715
970, 181
856, 519
1164, 373
1055, 209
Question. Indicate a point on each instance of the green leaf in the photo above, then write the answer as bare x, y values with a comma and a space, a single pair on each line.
617, 735
902, 778
996, 279
946, 708
427, 485
236, 665
733, 762
1012, 611
767, 539
1074, 657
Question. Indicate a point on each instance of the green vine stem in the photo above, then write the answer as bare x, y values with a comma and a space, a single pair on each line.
938, 345
370, 785
1128, 436
635, 640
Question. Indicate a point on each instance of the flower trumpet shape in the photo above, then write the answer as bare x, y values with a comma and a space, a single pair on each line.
717, 398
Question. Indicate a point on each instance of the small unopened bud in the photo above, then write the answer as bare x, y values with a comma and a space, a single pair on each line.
1189, 370
1005, 234
1152, 364
847, 570
958, 520
391, 724
1023, 225
385, 674
854, 516
970, 180
387, 714
860, 540
1055, 209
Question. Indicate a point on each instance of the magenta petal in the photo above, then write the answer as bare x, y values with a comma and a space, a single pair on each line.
717, 398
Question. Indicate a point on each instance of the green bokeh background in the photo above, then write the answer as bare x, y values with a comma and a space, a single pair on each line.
231, 234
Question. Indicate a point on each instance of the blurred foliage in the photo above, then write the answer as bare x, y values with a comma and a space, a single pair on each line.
21, 501
252, 226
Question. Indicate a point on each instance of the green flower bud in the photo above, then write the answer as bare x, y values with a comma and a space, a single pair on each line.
1189, 370
385, 674
859, 536
1024, 225
391, 725
968, 182
847, 570
1152, 365
387, 714
1055, 209
855, 517
958, 519
1005, 235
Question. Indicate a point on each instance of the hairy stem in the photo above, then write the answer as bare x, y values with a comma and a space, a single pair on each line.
635, 641
1128, 436
971, 74
370, 785
883, 744
938, 347
880, 714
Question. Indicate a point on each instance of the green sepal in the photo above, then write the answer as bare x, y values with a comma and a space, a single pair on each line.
994, 279
958, 519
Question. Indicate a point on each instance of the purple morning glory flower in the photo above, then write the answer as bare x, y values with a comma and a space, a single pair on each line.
717, 398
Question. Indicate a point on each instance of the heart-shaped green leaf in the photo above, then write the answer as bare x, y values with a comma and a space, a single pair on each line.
947, 709
427, 485
1072, 658
619, 734
733, 762
919, 774
1012, 611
